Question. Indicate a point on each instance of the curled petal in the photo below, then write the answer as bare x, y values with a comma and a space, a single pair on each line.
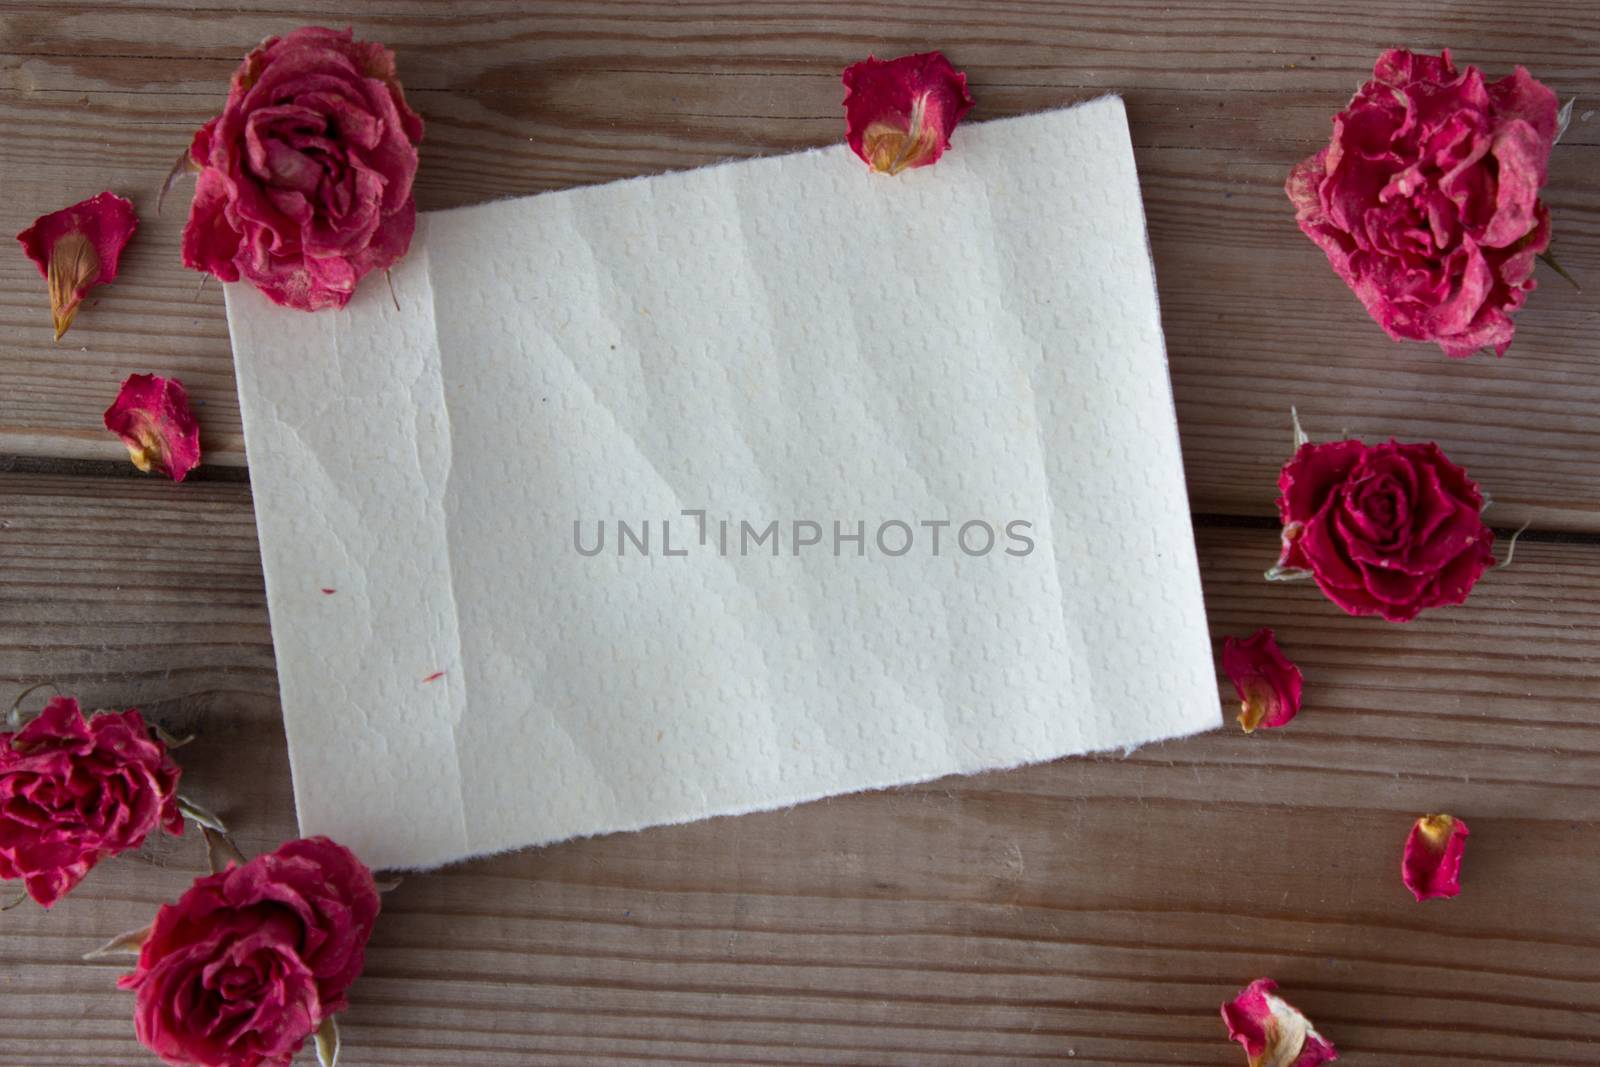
899, 113
78, 248
1273, 1032
185, 165
1267, 683
151, 414
1431, 865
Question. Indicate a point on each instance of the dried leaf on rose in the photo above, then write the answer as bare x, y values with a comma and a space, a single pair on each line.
1267, 683
152, 416
1431, 863
78, 248
899, 113
1274, 1032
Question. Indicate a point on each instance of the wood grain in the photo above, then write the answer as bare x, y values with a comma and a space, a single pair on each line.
1091, 911
522, 98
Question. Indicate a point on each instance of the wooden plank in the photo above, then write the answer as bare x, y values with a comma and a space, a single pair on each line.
1091, 911
525, 98
1234, 44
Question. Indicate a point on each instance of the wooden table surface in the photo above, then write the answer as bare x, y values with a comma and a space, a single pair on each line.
1091, 911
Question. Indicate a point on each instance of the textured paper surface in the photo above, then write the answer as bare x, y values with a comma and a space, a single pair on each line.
782, 339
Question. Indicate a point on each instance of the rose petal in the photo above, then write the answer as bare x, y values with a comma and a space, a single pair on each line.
1312, 474
1431, 864
899, 113
1273, 1032
1268, 685
151, 415
78, 248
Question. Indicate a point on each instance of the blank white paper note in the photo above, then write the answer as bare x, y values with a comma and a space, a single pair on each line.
668, 498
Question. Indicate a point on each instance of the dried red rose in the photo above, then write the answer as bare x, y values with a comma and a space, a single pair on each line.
78, 248
250, 962
899, 113
1427, 200
76, 790
1268, 684
1388, 530
305, 178
1431, 865
1272, 1031
151, 414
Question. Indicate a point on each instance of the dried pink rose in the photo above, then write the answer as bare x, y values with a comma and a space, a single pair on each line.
1427, 201
1272, 1031
305, 178
253, 961
1431, 865
1389, 530
899, 113
78, 248
75, 790
1268, 684
151, 415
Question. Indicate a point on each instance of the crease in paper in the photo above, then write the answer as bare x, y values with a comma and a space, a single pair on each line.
786, 338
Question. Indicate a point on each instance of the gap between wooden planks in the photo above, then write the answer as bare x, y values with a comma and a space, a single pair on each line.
1091, 910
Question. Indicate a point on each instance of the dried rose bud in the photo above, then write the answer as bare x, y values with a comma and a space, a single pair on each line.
77, 248
151, 415
1431, 866
899, 113
1267, 683
1272, 1031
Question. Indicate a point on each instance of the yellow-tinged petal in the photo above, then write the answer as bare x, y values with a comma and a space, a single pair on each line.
74, 265
77, 248
891, 149
899, 113
152, 416
1436, 828
1254, 707
1267, 683
1430, 866
1273, 1032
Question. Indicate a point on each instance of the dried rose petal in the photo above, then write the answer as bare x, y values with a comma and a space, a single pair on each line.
1431, 866
1267, 683
77, 248
1272, 1031
899, 113
151, 415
